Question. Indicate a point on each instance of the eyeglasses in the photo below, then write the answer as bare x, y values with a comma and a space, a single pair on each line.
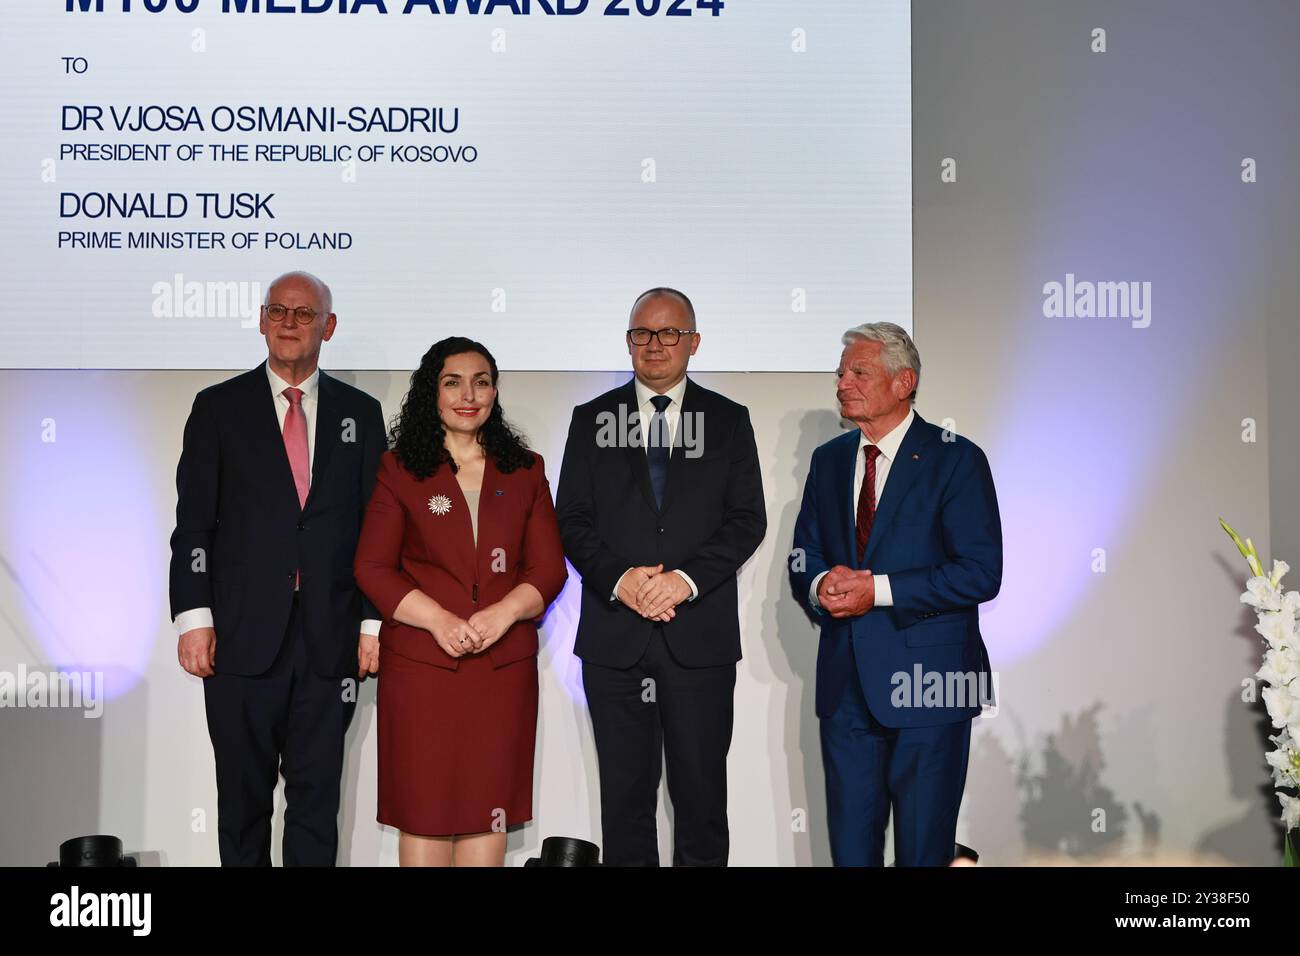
667, 337
301, 315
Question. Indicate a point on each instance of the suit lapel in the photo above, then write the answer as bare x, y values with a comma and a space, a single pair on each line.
691, 400
329, 432
843, 461
266, 438
456, 530
486, 505
904, 471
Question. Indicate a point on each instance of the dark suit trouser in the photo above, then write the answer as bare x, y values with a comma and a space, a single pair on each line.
921, 771
684, 717
291, 721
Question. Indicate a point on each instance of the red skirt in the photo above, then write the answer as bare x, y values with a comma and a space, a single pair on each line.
456, 747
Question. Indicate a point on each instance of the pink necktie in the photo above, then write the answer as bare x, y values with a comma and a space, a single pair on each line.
295, 443
295, 446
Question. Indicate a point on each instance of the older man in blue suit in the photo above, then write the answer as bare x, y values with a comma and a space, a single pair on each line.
897, 544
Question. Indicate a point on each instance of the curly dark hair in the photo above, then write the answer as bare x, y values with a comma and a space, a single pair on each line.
417, 432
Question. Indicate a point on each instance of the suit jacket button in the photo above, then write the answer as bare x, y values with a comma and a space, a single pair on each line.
301, 526
661, 530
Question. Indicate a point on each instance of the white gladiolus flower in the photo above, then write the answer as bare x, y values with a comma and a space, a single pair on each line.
1278, 669
1261, 595
1290, 810
1282, 708
1277, 627
1279, 760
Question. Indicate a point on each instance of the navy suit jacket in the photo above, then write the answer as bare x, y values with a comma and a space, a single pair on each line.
237, 509
938, 536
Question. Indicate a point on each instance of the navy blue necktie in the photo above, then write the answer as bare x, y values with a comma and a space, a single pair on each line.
657, 448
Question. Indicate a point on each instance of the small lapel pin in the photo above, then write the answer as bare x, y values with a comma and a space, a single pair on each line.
500, 492
440, 504
916, 457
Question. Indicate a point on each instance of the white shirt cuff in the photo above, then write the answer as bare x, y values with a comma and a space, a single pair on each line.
195, 617
617, 584
812, 591
884, 596
695, 592
371, 627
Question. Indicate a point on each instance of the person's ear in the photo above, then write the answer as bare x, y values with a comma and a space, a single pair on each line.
695, 342
331, 321
262, 321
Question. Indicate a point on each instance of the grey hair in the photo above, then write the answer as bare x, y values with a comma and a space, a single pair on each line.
897, 351
326, 297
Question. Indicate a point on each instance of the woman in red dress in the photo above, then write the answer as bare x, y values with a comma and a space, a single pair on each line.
461, 553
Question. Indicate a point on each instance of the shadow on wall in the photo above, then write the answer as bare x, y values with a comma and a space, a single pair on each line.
791, 648
58, 760
49, 790
1055, 802
1255, 837
352, 814
1031, 808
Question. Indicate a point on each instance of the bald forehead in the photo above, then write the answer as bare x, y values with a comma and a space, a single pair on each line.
303, 289
661, 310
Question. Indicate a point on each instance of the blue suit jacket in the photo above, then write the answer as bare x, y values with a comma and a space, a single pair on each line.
938, 536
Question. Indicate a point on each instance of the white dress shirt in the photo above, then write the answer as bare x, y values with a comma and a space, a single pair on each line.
888, 446
202, 616
673, 418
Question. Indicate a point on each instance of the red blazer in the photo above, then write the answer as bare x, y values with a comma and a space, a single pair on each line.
406, 544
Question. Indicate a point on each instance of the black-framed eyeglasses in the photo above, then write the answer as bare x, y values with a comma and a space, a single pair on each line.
667, 337
301, 315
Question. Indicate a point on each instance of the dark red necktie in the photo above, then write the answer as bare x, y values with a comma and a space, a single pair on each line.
867, 501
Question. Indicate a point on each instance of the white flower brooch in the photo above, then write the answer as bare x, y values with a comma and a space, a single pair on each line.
440, 504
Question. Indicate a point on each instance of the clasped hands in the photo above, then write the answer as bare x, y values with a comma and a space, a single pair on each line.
458, 636
845, 592
652, 592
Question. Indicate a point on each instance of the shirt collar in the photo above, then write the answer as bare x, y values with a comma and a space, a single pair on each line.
890, 443
644, 393
278, 385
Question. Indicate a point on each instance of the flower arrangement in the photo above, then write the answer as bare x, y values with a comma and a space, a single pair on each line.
1277, 611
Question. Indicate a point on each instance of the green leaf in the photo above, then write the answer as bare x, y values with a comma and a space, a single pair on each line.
1235, 538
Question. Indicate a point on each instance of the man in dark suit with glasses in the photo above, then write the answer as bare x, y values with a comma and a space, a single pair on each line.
660, 503
276, 469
